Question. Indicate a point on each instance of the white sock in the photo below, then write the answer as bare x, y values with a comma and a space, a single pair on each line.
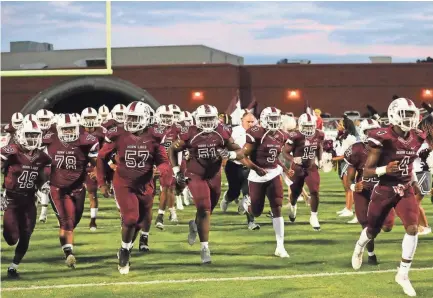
363, 239
126, 245
204, 244
161, 212
314, 213
370, 254
68, 245
172, 210
117, 204
145, 233
93, 212
278, 224
408, 246
44, 210
13, 266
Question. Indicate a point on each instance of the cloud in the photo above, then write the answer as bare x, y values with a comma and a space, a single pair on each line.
252, 29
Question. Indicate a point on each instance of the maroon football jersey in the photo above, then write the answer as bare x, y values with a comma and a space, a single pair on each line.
356, 156
396, 148
305, 147
136, 155
203, 148
167, 135
70, 159
8, 128
98, 133
22, 168
268, 146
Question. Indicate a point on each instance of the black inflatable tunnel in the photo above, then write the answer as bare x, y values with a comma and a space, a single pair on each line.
73, 95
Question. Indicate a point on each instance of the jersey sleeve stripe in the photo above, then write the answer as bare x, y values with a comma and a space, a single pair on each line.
94, 146
374, 141
348, 162
251, 137
107, 140
3, 157
289, 141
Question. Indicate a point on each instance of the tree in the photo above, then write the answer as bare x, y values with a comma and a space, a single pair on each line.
426, 60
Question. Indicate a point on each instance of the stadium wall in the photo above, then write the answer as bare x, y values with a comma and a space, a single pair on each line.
332, 87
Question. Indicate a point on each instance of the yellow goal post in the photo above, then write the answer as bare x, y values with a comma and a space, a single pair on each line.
73, 72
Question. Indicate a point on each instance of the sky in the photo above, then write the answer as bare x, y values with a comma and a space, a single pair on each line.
261, 32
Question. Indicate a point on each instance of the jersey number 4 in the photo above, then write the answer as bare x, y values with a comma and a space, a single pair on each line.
132, 156
403, 166
27, 179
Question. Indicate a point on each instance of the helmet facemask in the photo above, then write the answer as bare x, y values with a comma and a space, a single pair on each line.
207, 123
89, 121
135, 122
273, 122
406, 119
68, 132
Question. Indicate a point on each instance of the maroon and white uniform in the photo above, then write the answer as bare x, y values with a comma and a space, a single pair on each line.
21, 181
394, 190
306, 148
356, 156
99, 134
11, 131
136, 157
166, 135
110, 123
204, 165
268, 146
68, 173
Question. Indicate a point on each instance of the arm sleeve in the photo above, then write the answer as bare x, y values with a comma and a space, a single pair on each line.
161, 159
101, 164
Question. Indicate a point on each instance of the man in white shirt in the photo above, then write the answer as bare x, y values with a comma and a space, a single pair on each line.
237, 173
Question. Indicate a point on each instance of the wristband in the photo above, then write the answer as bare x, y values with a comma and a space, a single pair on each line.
352, 187
380, 171
232, 155
110, 162
176, 170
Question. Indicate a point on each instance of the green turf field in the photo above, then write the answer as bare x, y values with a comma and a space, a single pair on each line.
243, 264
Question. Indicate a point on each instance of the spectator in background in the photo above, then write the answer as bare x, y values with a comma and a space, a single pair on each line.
319, 120
225, 119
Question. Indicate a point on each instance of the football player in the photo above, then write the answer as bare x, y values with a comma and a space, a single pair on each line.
263, 145
208, 143
355, 157
89, 123
306, 144
167, 131
23, 167
392, 152
138, 150
70, 151
104, 111
11, 128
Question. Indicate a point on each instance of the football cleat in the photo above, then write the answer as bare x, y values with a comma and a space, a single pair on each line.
353, 220
159, 223
372, 260
173, 217
92, 225
43, 218
179, 203
12, 273
358, 253
205, 255
281, 252
224, 204
192, 235
424, 230
253, 226
341, 211
346, 213
404, 282
314, 222
292, 212
123, 266
144, 243
71, 261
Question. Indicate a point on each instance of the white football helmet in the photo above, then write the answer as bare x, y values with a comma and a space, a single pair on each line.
68, 128
45, 118
307, 124
403, 113
103, 111
164, 115
136, 116
270, 118
206, 118
17, 120
366, 125
118, 113
288, 123
78, 117
89, 118
176, 112
31, 117
186, 117
29, 135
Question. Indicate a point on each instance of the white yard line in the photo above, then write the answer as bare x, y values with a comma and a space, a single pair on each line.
193, 280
